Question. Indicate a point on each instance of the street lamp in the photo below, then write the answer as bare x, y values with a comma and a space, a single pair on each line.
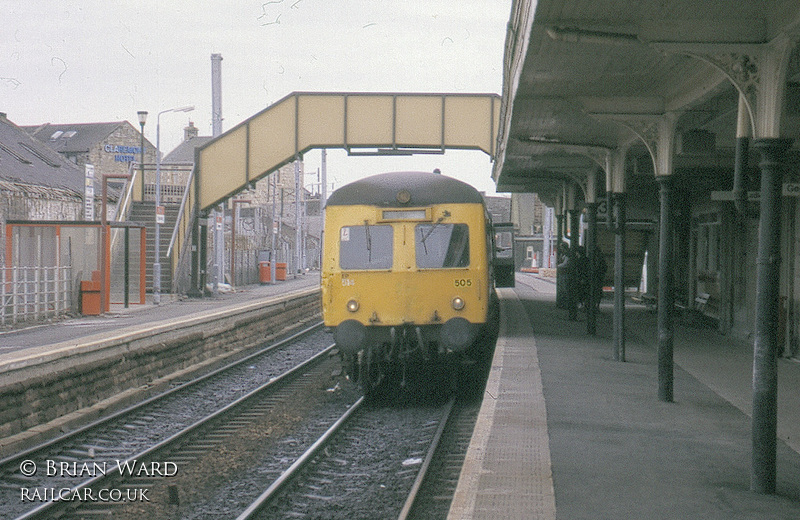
159, 209
142, 120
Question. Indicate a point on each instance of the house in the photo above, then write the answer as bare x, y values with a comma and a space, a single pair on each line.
109, 147
36, 183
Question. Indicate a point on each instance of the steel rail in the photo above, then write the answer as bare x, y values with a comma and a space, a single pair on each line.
48, 506
13, 459
309, 454
423, 470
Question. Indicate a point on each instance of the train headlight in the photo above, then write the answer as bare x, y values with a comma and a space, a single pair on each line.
352, 306
458, 303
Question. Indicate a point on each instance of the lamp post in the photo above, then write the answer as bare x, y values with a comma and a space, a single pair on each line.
236, 203
159, 209
142, 120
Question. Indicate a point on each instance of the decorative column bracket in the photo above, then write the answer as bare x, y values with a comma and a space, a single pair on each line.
656, 131
758, 71
597, 154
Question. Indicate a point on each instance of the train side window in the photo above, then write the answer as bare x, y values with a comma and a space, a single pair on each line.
442, 245
504, 244
366, 247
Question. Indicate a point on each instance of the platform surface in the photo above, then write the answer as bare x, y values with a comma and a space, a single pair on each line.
565, 432
171, 309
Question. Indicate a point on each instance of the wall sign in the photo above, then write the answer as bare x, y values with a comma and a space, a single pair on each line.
123, 153
88, 193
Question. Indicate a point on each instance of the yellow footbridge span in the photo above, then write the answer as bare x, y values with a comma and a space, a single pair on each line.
390, 123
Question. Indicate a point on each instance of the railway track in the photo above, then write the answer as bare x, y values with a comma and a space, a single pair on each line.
432, 501
73, 469
370, 464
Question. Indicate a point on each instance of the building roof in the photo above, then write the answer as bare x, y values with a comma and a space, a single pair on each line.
184, 152
73, 138
499, 208
25, 160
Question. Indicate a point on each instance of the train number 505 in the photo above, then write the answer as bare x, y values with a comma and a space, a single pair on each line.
464, 282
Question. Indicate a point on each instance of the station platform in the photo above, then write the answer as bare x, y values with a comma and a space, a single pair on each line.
566, 432
58, 376
120, 318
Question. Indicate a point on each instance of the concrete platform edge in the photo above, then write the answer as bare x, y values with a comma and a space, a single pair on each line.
484, 473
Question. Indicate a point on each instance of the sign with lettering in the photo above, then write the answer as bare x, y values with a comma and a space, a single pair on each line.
88, 193
123, 153
791, 189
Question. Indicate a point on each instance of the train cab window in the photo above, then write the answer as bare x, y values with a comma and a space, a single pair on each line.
442, 245
365, 247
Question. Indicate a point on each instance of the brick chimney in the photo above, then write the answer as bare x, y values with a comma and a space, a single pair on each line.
190, 131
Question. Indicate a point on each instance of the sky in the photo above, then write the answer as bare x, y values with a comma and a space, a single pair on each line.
81, 61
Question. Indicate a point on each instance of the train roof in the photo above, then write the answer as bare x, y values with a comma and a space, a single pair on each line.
424, 188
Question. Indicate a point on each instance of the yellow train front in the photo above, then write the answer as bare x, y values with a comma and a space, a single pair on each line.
407, 280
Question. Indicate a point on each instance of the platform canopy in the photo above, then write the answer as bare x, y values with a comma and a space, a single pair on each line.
361, 123
584, 78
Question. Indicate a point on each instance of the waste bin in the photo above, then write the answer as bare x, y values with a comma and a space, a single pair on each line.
265, 274
280, 271
90, 297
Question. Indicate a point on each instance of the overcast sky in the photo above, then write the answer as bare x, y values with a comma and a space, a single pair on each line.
80, 61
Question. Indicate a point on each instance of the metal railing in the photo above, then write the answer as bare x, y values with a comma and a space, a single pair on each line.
169, 192
124, 202
181, 224
34, 293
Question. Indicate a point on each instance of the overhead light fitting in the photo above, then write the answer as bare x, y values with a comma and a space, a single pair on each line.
395, 151
573, 35
543, 139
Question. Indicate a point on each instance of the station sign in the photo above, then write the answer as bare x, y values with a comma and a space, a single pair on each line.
602, 208
791, 189
88, 193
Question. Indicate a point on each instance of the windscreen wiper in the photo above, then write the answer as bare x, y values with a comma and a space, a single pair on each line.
369, 242
430, 231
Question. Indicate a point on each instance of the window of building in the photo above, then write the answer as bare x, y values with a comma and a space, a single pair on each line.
709, 245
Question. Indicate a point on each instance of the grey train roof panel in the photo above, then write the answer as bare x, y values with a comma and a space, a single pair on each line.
425, 189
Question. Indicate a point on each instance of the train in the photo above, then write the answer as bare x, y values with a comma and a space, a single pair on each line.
409, 271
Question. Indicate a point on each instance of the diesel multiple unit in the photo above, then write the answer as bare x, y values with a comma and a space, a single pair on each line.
408, 277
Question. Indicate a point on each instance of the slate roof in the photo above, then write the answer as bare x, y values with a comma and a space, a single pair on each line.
184, 152
72, 138
25, 160
499, 208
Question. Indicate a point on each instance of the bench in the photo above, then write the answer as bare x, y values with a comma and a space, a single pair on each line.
647, 299
701, 301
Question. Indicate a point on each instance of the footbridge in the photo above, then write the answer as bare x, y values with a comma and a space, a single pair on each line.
361, 123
